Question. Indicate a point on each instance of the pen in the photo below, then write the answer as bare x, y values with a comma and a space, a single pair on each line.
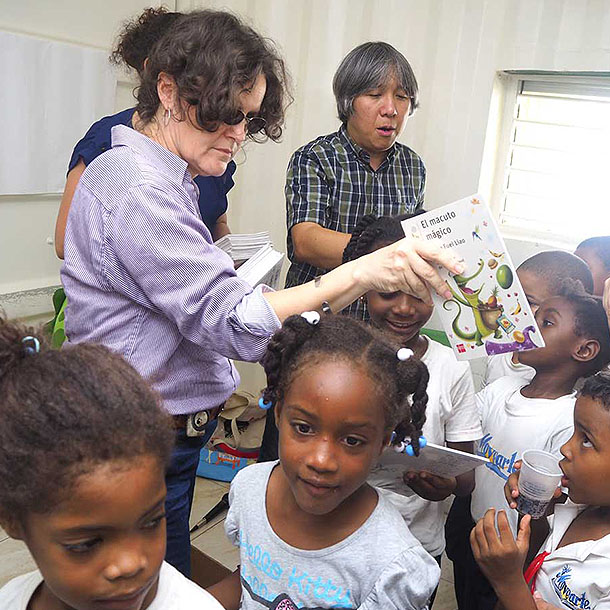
213, 512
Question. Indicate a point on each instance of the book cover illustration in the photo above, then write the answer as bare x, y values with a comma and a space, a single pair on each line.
487, 313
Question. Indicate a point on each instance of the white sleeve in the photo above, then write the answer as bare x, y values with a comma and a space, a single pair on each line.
482, 400
406, 584
559, 438
490, 373
464, 423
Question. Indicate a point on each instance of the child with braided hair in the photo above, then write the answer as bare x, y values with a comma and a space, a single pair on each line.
311, 532
451, 415
84, 444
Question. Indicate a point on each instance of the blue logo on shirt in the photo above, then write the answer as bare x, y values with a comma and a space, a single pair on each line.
564, 593
502, 465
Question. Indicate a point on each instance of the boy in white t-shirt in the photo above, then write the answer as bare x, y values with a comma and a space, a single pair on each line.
572, 569
517, 416
541, 277
451, 416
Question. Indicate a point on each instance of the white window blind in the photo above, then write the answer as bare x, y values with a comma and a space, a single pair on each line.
556, 176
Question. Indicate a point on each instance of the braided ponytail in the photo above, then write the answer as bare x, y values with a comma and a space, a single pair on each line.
372, 233
281, 351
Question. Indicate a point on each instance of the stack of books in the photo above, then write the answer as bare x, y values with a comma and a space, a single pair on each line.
242, 246
257, 262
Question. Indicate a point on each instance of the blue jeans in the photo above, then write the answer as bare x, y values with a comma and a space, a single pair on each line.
180, 482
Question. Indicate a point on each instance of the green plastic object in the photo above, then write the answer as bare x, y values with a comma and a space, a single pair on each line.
439, 336
55, 327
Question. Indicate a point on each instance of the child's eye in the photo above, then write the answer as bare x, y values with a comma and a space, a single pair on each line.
402, 97
546, 322
302, 428
375, 95
352, 441
586, 442
154, 523
83, 547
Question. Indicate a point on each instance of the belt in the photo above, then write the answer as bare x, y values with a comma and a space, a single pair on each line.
200, 418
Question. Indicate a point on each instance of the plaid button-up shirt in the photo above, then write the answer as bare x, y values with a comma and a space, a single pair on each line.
330, 182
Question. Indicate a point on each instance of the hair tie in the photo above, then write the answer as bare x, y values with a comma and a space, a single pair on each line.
422, 443
31, 349
263, 404
313, 317
404, 353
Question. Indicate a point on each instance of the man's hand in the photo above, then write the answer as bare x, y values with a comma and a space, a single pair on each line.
498, 554
430, 486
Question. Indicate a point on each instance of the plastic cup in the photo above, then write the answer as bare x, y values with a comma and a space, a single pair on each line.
539, 478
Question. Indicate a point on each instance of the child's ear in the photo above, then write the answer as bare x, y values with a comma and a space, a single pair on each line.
386, 441
277, 413
587, 350
13, 528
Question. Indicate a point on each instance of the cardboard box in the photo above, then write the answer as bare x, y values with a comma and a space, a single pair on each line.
206, 571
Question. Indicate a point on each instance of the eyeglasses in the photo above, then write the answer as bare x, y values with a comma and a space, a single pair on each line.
254, 124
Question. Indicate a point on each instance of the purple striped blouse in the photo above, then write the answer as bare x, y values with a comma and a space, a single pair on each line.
142, 277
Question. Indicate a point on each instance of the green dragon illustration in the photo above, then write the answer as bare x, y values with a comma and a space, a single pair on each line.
485, 316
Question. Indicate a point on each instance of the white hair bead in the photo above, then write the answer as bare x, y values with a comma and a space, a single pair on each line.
404, 353
313, 317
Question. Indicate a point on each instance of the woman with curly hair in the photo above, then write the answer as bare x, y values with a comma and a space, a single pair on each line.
141, 273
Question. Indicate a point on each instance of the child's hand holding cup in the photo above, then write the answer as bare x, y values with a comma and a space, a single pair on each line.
535, 484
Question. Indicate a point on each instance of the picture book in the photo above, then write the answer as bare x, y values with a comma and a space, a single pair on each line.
438, 460
487, 313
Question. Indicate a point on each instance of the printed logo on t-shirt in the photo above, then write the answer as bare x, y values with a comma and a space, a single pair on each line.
568, 598
271, 584
501, 465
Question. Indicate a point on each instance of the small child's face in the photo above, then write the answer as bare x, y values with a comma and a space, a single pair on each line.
331, 431
586, 463
597, 268
398, 314
103, 546
555, 318
535, 287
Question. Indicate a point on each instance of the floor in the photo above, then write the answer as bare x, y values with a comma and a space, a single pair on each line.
211, 539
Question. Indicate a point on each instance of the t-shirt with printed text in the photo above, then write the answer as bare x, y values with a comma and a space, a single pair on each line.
511, 424
574, 576
379, 566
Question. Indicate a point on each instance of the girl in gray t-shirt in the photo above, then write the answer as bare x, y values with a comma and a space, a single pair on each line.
311, 532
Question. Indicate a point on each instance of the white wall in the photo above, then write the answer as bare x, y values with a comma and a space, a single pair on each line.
455, 48
27, 259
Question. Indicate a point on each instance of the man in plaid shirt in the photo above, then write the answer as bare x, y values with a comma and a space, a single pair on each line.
336, 179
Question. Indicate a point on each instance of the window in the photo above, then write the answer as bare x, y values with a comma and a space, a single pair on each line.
551, 179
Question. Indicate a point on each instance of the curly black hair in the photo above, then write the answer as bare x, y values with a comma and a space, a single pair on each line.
555, 266
138, 36
299, 343
212, 56
597, 387
64, 412
372, 232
